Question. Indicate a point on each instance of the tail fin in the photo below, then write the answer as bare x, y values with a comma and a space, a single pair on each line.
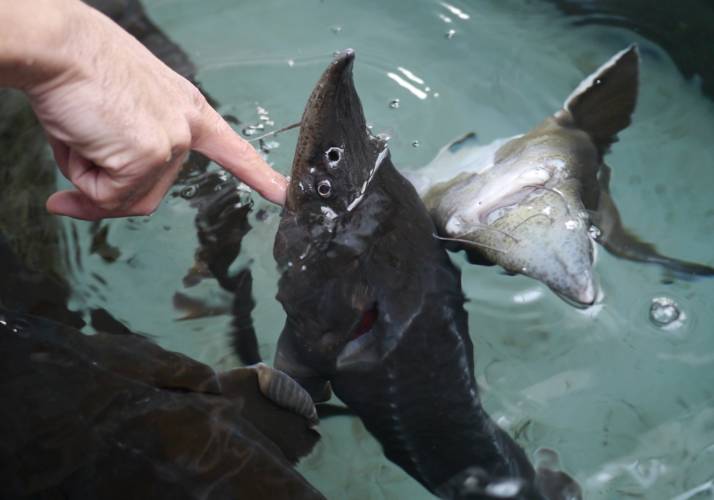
603, 103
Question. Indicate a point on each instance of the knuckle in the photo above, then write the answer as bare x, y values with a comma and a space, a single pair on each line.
181, 140
109, 201
157, 152
243, 148
114, 161
197, 99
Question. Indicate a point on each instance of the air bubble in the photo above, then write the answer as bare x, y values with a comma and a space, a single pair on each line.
508, 488
189, 192
664, 311
19, 327
251, 130
416, 144
450, 34
394, 104
336, 29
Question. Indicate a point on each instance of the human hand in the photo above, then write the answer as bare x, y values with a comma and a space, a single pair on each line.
121, 122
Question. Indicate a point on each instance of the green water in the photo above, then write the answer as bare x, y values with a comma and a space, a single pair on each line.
627, 405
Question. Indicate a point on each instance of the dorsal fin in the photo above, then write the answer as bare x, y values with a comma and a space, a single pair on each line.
603, 103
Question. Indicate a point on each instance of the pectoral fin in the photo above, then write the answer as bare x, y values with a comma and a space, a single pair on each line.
623, 243
282, 390
603, 103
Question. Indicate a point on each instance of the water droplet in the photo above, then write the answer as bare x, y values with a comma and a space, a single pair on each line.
189, 192
571, 224
261, 110
444, 18
242, 187
427, 89
594, 232
471, 483
19, 327
416, 144
664, 311
3, 321
383, 136
450, 34
250, 130
394, 104
336, 29
291, 62
270, 145
508, 488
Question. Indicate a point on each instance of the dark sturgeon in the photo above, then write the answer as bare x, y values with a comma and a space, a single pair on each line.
375, 308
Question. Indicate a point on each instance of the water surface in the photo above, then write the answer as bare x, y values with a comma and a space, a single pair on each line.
626, 403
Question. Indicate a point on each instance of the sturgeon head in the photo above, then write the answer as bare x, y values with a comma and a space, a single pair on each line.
353, 245
334, 214
528, 208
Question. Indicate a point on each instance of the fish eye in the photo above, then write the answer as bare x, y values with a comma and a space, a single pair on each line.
333, 156
324, 188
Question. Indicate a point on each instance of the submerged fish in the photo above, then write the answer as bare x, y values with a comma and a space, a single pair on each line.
374, 305
534, 203
116, 416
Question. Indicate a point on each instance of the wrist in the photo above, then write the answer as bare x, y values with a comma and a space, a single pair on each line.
35, 38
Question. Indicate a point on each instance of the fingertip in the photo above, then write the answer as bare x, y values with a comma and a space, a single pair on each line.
73, 204
226, 147
275, 190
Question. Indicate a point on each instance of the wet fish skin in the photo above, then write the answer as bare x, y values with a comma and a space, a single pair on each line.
528, 203
374, 305
157, 424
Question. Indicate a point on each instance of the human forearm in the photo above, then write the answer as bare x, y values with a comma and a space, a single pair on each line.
34, 39
119, 120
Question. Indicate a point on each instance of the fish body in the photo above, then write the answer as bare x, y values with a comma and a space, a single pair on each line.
374, 305
156, 424
535, 203
522, 206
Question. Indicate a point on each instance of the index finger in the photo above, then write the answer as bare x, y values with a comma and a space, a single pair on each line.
218, 141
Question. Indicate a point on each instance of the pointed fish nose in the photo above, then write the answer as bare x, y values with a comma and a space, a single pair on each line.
340, 66
587, 294
344, 56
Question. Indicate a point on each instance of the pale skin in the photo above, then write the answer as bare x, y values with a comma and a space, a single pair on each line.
120, 122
